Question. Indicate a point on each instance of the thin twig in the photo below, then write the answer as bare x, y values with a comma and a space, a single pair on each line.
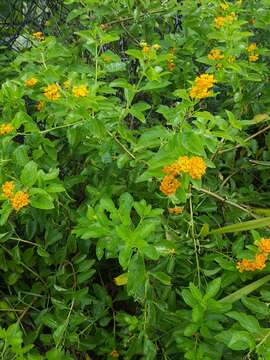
246, 140
229, 202
122, 145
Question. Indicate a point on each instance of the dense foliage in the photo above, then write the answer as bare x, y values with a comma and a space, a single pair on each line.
135, 156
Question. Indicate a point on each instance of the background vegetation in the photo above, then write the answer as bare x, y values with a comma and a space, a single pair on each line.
135, 155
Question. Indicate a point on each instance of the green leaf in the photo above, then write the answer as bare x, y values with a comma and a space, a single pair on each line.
136, 277
236, 340
213, 288
248, 322
244, 226
40, 199
153, 85
162, 277
137, 110
29, 174
238, 294
256, 306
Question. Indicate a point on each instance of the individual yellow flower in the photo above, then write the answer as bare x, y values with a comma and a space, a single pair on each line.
156, 46
253, 57
7, 189
66, 84
121, 279
19, 200
252, 47
197, 167
6, 128
264, 246
40, 105
115, 354
176, 210
52, 92
215, 54
218, 66
169, 185
38, 35
80, 91
30, 82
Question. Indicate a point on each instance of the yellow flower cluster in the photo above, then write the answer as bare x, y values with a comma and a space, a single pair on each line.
221, 21
215, 54
6, 128
260, 258
80, 91
30, 82
52, 92
17, 200
38, 35
203, 84
252, 51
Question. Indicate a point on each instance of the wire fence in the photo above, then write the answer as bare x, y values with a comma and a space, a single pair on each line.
18, 17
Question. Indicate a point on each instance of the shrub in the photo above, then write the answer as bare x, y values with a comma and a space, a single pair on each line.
134, 173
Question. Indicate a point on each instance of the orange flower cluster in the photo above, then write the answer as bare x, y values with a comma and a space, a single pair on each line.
176, 210
260, 258
7, 189
30, 82
52, 92
17, 200
253, 54
215, 54
220, 21
38, 35
264, 246
169, 185
203, 84
6, 129
195, 166
80, 91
